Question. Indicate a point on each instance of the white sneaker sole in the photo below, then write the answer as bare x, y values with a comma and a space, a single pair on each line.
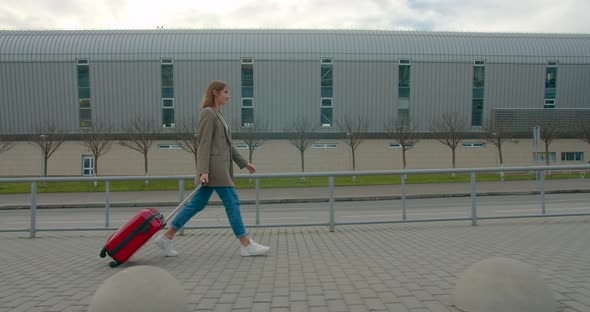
160, 244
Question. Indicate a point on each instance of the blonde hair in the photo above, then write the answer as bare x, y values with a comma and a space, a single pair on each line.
209, 98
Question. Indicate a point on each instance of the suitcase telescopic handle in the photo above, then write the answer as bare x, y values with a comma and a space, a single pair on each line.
182, 203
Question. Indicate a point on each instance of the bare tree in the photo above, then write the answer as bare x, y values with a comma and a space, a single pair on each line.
354, 130
450, 130
5, 143
48, 138
582, 129
301, 136
496, 132
187, 136
550, 130
97, 141
404, 133
138, 135
252, 135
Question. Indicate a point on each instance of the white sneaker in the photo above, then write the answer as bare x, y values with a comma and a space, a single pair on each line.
254, 249
166, 245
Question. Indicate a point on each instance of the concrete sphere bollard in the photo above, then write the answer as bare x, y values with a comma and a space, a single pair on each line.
503, 284
140, 288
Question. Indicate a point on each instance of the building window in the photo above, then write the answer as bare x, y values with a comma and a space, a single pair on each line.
326, 112
87, 165
404, 90
247, 78
542, 156
167, 78
167, 113
84, 107
169, 146
474, 144
325, 145
549, 103
397, 145
550, 84
326, 92
247, 92
247, 112
572, 156
478, 93
327, 82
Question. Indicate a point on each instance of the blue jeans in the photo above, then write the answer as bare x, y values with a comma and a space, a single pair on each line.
230, 200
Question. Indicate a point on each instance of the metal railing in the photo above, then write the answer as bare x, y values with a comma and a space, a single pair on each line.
539, 172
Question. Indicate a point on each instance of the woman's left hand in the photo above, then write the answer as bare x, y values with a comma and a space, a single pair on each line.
251, 168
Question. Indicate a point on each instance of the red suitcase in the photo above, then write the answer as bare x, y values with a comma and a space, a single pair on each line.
131, 236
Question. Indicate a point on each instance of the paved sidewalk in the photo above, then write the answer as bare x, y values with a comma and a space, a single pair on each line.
387, 267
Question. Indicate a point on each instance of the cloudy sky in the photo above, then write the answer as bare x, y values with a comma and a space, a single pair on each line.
564, 16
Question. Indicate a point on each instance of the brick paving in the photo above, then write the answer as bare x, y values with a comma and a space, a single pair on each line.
386, 267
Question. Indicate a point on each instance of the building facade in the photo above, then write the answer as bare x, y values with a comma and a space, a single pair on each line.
79, 80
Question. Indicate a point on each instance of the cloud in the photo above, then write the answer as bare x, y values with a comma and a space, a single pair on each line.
441, 15
505, 15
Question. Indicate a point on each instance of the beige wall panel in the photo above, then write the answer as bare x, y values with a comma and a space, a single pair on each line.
22, 160
278, 156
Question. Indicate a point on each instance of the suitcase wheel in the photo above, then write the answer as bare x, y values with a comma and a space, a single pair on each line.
114, 264
103, 252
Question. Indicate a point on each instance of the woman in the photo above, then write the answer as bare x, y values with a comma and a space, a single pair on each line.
215, 169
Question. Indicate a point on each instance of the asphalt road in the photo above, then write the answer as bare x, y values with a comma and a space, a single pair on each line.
302, 213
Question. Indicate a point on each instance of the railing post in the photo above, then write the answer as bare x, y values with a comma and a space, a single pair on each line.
332, 222
257, 201
473, 201
33, 228
404, 216
542, 187
180, 199
107, 205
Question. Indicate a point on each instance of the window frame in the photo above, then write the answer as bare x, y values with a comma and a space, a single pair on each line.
83, 165
325, 145
169, 146
242, 108
169, 108
331, 108
473, 144
575, 157
84, 99
399, 146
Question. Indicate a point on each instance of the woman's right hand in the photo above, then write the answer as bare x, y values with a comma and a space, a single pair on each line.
204, 178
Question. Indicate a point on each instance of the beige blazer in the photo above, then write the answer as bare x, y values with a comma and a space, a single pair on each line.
216, 151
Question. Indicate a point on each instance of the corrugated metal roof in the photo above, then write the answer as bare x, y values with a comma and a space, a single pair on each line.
107, 44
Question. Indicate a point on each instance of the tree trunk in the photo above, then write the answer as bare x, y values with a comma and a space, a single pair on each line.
548, 173
302, 164
96, 166
546, 153
404, 157
95, 170
145, 168
45, 161
353, 164
453, 152
501, 161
